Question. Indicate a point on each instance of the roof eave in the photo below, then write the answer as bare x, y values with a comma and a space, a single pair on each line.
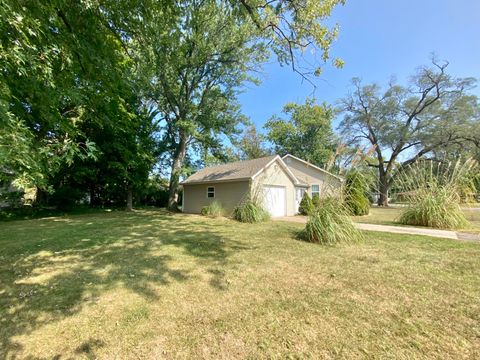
199, 182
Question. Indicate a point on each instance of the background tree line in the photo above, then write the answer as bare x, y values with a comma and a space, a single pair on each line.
97, 96
114, 101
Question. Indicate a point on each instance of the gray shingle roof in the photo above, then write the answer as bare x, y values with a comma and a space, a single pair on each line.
238, 170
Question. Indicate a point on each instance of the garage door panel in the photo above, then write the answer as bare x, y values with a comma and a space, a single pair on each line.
275, 200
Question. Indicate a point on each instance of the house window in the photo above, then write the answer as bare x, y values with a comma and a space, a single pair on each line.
210, 192
315, 190
300, 193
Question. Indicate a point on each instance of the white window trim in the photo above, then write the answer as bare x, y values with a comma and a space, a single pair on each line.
299, 191
208, 192
315, 192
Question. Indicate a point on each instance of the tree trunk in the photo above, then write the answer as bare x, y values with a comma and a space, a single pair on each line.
41, 197
383, 187
178, 158
129, 198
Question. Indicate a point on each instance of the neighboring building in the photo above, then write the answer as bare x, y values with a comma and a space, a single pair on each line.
280, 183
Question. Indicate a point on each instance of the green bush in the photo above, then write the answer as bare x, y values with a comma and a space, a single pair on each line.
154, 192
11, 199
356, 193
65, 197
250, 212
316, 201
306, 205
434, 192
215, 209
330, 224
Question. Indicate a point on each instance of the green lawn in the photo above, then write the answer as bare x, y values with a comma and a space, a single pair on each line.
153, 285
390, 216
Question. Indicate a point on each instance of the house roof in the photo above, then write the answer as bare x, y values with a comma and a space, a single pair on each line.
313, 166
245, 170
238, 170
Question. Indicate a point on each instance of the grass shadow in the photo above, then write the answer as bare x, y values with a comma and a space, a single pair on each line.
70, 261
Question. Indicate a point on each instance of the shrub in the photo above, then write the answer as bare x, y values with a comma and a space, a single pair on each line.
11, 198
315, 201
154, 192
433, 192
65, 197
306, 205
330, 224
215, 209
250, 211
356, 193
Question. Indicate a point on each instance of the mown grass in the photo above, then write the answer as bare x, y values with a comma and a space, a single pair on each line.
391, 215
150, 284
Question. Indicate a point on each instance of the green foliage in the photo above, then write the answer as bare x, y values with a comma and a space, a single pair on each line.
154, 193
85, 85
330, 224
433, 192
434, 210
306, 205
356, 193
11, 198
65, 197
432, 112
250, 211
251, 144
290, 27
201, 59
476, 183
316, 201
215, 209
307, 133
61, 66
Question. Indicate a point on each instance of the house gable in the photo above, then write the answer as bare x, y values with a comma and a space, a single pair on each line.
278, 165
277, 174
310, 174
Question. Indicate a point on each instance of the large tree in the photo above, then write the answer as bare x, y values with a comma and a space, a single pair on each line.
70, 67
197, 67
61, 66
290, 27
202, 54
305, 133
71, 114
406, 123
251, 144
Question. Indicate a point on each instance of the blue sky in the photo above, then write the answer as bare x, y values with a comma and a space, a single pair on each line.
378, 39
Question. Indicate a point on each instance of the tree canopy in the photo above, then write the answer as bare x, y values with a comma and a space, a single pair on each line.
406, 123
95, 95
197, 62
306, 132
251, 144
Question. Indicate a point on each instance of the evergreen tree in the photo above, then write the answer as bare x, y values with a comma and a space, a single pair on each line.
306, 206
356, 193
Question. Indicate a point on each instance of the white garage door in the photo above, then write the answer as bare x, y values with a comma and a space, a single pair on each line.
275, 200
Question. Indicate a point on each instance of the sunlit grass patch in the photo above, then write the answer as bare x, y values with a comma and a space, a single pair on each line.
155, 285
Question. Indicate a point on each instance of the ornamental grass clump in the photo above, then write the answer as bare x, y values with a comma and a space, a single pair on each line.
250, 211
433, 192
330, 224
215, 209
